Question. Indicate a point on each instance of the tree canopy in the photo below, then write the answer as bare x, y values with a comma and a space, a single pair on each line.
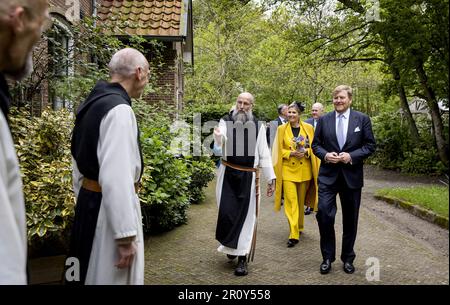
388, 51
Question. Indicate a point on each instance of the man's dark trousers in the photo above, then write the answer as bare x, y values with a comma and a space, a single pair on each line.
350, 202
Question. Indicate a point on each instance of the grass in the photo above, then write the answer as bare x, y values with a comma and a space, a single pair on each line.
434, 198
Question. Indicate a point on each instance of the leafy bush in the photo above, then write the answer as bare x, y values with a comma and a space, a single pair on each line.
202, 172
43, 148
209, 112
170, 182
422, 161
164, 196
396, 150
392, 140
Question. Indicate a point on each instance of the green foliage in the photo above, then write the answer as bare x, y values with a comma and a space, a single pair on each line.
392, 139
202, 172
422, 161
43, 148
395, 150
434, 198
164, 196
170, 182
72, 71
240, 47
208, 111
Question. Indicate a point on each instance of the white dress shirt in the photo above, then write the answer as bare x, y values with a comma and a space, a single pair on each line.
345, 120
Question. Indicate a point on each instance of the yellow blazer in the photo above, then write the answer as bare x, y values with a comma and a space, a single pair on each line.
277, 159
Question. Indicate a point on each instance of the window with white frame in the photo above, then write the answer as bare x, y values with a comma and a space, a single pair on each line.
60, 51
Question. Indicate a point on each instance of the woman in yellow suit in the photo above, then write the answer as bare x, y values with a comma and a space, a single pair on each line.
296, 170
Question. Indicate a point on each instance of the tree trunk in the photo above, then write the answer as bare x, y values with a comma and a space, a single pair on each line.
435, 114
401, 90
405, 106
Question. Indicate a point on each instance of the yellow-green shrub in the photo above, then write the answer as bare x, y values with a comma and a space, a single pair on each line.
43, 147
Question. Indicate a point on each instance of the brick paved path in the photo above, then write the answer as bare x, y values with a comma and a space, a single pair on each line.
409, 250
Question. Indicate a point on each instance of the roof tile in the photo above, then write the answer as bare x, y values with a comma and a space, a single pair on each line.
143, 17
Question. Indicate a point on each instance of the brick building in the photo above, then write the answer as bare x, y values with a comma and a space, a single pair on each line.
167, 21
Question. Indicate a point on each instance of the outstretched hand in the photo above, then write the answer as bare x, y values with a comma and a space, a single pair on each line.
217, 136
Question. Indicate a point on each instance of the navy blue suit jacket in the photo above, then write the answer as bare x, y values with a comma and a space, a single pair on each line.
310, 121
360, 144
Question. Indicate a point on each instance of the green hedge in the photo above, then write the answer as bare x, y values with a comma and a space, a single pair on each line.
396, 150
164, 196
42, 143
170, 182
202, 172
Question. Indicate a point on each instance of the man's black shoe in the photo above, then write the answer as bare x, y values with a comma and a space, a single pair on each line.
349, 268
308, 211
292, 242
325, 267
241, 268
231, 257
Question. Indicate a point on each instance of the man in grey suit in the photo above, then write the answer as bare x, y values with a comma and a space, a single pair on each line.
272, 126
342, 140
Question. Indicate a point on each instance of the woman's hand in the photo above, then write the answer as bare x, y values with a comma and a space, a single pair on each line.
297, 154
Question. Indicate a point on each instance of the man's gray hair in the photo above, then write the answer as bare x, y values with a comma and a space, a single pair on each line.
318, 105
125, 62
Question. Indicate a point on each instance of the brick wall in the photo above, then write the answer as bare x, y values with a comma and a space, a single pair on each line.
163, 76
163, 68
85, 6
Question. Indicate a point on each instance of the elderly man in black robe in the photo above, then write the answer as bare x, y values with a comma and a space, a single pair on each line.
241, 140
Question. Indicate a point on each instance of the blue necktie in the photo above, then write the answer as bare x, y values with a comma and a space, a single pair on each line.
340, 131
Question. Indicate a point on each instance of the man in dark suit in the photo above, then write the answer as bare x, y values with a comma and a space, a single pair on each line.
273, 125
342, 140
316, 113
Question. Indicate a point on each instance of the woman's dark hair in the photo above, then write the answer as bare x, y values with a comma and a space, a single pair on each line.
298, 105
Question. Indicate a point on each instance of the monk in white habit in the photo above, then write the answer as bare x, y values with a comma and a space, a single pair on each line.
21, 26
241, 141
107, 236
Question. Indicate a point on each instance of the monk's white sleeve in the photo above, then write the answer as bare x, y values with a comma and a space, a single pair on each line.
117, 159
13, 235
265, 157
219, 149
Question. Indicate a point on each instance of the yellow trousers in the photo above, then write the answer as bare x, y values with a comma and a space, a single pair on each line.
294, 201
